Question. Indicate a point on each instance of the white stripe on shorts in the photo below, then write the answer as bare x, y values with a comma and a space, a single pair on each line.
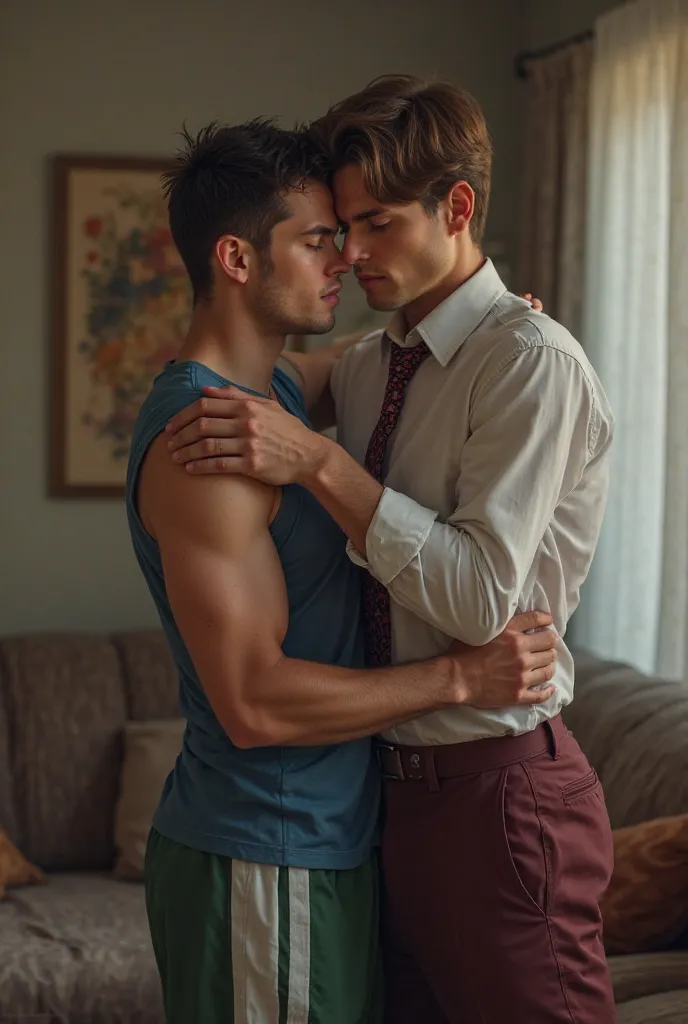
298, 1006
254, 913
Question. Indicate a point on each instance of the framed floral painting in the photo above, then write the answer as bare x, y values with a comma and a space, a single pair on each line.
121, 308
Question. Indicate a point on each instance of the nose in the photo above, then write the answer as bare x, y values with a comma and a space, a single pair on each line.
353, 251
337, 266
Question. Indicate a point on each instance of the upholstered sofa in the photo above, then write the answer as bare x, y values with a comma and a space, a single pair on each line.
76, 951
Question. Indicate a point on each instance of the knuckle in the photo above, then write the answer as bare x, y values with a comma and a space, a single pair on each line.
203, 404
210, 446
222, 464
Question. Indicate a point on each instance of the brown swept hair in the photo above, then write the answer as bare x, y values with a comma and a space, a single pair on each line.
413, 139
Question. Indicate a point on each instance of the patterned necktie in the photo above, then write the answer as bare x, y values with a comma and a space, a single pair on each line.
403, 363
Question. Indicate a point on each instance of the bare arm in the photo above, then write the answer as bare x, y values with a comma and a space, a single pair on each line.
226, 589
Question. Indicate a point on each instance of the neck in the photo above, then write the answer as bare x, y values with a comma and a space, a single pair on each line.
467, 264
229, 340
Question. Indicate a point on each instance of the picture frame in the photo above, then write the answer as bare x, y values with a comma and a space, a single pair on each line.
121, 306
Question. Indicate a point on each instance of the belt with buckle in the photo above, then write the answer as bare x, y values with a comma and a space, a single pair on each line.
404, 763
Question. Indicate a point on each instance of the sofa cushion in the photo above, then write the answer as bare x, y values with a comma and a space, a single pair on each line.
36, 973
667, 1008
150, 679
646, 974
66, 712
150, 752
634, 731
79, 947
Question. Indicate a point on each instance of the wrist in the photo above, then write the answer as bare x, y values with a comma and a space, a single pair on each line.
317, 470
455, 688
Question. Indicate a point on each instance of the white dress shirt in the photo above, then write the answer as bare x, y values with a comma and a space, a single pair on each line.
495, 484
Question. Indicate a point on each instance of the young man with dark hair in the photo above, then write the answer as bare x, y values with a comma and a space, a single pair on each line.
261, 882
471, 479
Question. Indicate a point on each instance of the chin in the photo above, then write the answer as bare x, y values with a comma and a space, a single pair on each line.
384, 305
381, 302
319, 325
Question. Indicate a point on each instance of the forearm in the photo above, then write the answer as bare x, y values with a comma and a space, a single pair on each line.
445, 577
463, 585
346, 490
462, 580
301, 703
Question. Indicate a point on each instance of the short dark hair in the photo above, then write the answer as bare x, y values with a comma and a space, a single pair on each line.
234, 180
413, 139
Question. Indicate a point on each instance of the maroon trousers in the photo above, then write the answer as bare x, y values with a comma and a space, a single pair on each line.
495, 856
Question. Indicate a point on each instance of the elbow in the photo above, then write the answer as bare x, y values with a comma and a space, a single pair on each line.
243, 738
477, 634
248, 715
491, 619
248, 729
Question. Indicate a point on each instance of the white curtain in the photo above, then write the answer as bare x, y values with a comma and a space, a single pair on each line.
635, 604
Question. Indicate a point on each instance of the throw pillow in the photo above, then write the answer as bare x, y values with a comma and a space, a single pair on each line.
150, 751
646, 905
15, 869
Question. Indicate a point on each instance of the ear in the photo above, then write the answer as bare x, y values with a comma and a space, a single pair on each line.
235, 257
460, 207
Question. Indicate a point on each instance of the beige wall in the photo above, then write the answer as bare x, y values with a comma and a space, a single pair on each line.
93, 76
552, 20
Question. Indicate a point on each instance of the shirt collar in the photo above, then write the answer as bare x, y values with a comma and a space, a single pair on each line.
445, 329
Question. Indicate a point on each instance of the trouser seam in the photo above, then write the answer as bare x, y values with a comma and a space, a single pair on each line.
549, 879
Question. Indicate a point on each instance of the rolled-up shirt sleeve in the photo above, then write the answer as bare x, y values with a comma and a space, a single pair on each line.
533, 429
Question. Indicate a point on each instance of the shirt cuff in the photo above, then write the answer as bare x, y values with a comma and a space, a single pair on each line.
397, 532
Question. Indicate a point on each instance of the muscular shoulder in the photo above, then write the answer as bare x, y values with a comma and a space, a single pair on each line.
223, 510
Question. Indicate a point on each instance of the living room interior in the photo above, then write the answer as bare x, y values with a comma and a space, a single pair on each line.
591, 160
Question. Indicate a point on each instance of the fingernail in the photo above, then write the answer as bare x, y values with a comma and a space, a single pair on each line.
168, 427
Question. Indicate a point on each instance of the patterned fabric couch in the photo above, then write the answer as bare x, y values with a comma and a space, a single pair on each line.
77, 951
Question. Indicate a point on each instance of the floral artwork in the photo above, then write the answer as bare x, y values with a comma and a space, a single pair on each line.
123, 309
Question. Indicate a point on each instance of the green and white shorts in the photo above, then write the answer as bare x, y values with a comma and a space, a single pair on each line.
244, 943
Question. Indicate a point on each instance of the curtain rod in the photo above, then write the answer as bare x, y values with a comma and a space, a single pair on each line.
524, 58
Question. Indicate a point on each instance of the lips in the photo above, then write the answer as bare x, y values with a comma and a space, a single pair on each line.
332, 296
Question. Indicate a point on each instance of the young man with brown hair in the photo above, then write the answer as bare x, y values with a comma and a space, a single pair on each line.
261, 877
470, 478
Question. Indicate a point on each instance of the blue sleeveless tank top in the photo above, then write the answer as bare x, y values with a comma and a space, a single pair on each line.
310, 807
